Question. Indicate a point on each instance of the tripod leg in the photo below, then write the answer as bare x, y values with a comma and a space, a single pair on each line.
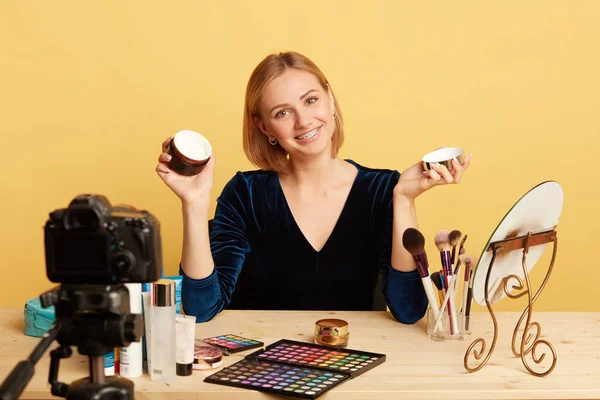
97, 369
17, 380
58, 388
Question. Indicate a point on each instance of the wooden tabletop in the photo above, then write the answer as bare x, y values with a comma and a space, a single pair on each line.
415, 367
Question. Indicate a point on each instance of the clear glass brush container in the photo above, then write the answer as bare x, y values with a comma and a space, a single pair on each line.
449, 327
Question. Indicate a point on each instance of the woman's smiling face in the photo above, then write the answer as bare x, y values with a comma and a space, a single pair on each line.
297, 111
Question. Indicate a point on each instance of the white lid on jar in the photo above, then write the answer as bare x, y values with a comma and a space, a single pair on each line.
192, 145
443, 154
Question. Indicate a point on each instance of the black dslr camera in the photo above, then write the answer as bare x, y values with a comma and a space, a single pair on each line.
93, 242
92, 249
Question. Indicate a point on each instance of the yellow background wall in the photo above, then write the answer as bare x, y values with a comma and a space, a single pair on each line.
89, 90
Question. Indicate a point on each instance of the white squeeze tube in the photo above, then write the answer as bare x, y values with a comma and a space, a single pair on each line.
131, 357
185, 331
146, 297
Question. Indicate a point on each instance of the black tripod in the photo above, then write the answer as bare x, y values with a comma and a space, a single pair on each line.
96, 319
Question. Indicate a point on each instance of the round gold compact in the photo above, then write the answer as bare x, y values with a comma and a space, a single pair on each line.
332, 332
443, 156
207, 357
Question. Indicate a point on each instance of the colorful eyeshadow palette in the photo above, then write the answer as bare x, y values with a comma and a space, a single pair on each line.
233, 343
346, 361
292, 368
277, 378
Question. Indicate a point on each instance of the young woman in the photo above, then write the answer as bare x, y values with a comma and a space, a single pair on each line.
308, 230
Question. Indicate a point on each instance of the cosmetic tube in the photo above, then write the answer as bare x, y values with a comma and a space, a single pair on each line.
130, 358
185, 332
162, 330
109, 364
147, 302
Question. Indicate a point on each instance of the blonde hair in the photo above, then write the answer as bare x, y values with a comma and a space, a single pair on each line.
256, 145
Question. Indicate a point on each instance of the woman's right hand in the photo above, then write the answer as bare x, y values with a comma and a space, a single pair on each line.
189, 189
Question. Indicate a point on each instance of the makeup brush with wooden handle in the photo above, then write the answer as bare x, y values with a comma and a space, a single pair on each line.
442, 242
437, 280
466, 259
414, 243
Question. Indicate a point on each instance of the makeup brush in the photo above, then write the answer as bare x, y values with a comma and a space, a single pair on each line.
461, 248
459, 262
454, 238
445, 301
462, 242
466, 259
442, 242
456, 272
469, 296
437, 281
414, 242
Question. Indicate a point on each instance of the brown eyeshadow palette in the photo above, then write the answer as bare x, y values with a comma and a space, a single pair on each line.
299, 369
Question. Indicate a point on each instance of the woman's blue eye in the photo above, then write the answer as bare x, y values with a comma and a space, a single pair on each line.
312, 100
281, 113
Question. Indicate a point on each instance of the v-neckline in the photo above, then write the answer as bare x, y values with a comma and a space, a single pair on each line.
335, 226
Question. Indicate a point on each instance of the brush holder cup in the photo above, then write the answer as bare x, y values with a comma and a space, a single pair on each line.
447, 328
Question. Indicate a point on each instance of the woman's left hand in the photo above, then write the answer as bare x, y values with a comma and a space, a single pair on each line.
414, 181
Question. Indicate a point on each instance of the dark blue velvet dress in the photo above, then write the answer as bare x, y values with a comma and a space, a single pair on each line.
264, 262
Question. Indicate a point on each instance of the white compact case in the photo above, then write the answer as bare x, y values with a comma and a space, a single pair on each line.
443, 156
